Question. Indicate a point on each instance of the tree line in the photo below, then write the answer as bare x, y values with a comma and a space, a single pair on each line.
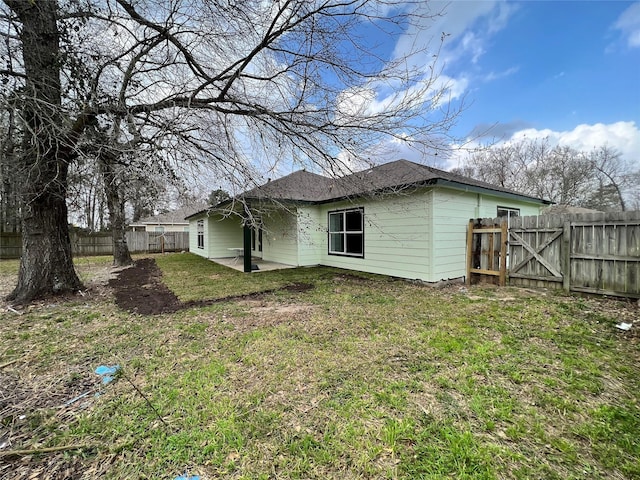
600, 179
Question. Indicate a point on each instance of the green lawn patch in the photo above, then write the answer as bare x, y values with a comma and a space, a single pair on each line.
361, 376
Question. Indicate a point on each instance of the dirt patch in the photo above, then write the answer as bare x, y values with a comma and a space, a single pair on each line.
350, 277
263, 313
94, 276
139, 289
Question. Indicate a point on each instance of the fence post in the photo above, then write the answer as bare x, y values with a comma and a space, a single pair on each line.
503, 254
565, 251
469, 250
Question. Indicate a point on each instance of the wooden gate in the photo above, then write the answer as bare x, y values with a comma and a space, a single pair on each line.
161, 242
487, 252
593, 253
537, 249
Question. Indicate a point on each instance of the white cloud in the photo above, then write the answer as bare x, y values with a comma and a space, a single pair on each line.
623, 136
505, 73
473, 45
629, 24
456, 20
369, 100
355, 102
466, 27
455, 35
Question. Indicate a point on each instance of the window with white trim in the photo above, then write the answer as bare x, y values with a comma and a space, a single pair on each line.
509, 213
200, 233
346, 232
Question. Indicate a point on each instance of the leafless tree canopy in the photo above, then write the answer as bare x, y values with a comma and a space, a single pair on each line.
599, 179
235, 77
241, 87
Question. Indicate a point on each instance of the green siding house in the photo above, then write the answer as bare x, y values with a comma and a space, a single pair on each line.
401, 219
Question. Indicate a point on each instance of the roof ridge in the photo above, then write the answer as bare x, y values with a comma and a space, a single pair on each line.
306, 186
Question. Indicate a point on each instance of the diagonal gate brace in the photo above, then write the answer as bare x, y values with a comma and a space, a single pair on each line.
535, 253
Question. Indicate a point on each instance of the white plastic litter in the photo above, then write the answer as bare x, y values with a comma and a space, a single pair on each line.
624, 326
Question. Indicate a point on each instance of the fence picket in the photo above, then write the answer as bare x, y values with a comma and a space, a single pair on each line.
102, 243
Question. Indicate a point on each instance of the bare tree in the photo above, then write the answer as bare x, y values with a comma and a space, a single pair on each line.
562, 175
239, 86
515, 165
505, 166
85, 200
127, 166
600, 179
615, 179
46, 265
9, 172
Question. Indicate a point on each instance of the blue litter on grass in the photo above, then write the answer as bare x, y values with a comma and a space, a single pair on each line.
75, 399
107, 373
188, 477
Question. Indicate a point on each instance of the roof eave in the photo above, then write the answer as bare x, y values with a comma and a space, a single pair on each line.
219, 208
282, 200
477, 189
442, 183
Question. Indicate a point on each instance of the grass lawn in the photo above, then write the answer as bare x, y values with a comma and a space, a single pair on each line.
359, 377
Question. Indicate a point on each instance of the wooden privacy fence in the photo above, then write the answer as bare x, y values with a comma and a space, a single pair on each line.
487, 251
10, 245
102, 243
156, 242
593, 253
94, 244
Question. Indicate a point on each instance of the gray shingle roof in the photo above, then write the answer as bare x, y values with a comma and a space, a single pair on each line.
173, 217
298, 186
310, 187
303, 186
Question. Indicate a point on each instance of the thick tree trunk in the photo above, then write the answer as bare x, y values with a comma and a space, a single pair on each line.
46, 266
121, 255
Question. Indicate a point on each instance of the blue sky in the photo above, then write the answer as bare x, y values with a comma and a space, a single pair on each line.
569, 71
566, 71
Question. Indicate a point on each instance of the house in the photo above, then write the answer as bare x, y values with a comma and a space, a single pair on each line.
165, 222
401, 219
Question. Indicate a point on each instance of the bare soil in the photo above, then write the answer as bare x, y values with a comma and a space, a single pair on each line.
139, 289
